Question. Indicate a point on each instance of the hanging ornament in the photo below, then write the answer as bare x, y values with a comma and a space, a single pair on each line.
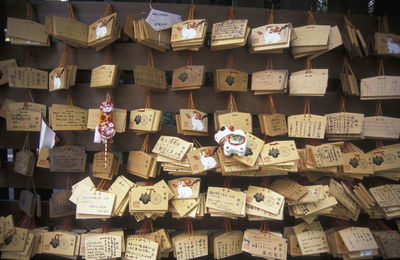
232, 141
106, 127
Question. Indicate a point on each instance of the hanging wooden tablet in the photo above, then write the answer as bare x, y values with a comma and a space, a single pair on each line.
23, 120
357, 239
386, 43
203, 159
105, 165
189, 34
142, 163
380, 87
188, 77
307, 125
4, 65
309, 82
105, 30
145, 120
103, 246
144, 34
269, 81
67, 159
353, 40
16, 242
190, 244
388, 242
67, 118
191, 121
271, 38
272, 123
172, 147
344, 125
149, 76
25, 160
310, 38
148, 199
348, 80
230, 79
104, 76
143, 245
229, 34
26, 31
61, 243
25, 77
68, 28
385, 159
64, 75
264, 244
60, 206
381, 127
312, 240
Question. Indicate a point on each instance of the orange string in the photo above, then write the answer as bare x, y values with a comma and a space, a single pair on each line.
190, 100
270, 19
109, 10
310, 18
271, 109
231, 13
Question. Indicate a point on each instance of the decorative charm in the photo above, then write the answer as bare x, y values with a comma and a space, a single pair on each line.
232, 141
106, 127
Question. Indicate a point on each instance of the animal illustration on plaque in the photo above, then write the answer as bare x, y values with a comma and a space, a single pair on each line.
57, 78
189, 30
393, 47
185, 188
197, 121
101, 27
184, 191
272, 33
207, 160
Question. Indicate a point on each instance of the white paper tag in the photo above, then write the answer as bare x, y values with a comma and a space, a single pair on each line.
97, 137
47, 136
160, 20
366, 252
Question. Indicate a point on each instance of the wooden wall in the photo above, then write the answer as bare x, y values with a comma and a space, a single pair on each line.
127, 54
